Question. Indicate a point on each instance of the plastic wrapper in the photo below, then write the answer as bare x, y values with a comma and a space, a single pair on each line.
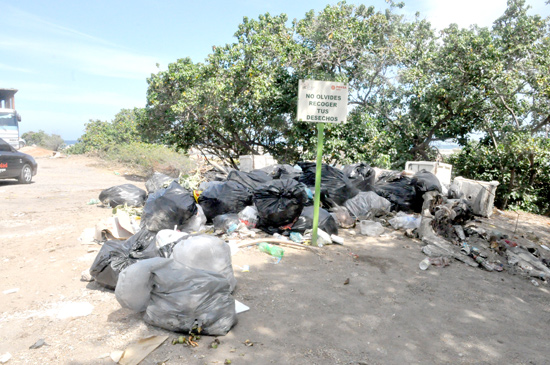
206, 253
184, 299
251, 179
335, 187
127, 194
158, 181
400, 191
305, 221
167, 208
279, 203
112, 258
227, 197
133, 290
365, 202
405, 221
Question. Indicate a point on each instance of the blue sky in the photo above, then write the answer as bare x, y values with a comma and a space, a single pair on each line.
73, 61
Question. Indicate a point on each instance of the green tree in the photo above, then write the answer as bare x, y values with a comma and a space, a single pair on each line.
52, 142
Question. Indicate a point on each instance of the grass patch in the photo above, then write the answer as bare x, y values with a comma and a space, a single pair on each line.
145, 158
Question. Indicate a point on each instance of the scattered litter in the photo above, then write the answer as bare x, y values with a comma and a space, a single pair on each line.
371, 228
272, 250
116, 355
245, 268
240, 307
38, 344
337, 239
135, 353
4, 358
11, 291
93, 202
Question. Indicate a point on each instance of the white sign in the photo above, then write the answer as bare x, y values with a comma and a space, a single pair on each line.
322, 101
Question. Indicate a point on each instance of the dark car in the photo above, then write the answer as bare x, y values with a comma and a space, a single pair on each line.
15, 164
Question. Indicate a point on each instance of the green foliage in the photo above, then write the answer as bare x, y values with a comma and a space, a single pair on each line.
148, 158
409, 87
42, 139
100, 136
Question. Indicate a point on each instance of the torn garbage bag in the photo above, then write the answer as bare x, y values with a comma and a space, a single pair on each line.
365, 202
184, 299
158, 181
208, 253
361, 175
168, 207
127, 194
326, 221
227, 197
335, 187
279, 203
426, 181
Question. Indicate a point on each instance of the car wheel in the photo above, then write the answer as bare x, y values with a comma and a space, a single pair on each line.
26, 175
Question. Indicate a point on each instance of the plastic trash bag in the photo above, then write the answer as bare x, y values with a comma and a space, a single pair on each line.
362, 176
426, 181
335, 187
405, 221
158, 181
249, 216
342, 217
279, 203
305, 221
371, 228
227, 222
364, 202
208, 253
227, 197
128, 194
167, 208
133, 290
184, 299
112, 258
143, 245
196, 223
400, 191
251, 179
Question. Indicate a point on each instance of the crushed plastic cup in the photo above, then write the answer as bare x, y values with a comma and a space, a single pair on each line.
424, 264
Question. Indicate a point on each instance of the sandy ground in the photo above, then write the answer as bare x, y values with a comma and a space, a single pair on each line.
366, 302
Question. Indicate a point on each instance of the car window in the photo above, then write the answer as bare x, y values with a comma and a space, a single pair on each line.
4, 146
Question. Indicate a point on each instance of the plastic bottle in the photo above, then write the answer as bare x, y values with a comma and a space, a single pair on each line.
274, 251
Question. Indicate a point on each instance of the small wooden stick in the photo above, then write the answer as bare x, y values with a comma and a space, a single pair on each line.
278, 241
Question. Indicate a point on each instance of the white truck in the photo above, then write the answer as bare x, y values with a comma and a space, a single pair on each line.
9, 119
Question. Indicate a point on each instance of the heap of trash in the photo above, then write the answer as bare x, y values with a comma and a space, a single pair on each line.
167, 251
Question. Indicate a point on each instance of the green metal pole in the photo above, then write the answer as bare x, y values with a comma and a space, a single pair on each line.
317, 199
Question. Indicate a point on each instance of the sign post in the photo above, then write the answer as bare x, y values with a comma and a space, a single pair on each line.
321, 102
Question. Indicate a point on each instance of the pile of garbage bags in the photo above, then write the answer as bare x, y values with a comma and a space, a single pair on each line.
183, 279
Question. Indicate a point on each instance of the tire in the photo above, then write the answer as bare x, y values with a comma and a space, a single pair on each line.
26, 174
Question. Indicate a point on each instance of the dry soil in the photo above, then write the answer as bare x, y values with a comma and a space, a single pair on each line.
366, 302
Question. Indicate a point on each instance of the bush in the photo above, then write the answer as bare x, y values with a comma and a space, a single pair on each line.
148, 158
42, 139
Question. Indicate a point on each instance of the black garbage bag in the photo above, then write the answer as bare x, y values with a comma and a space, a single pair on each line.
326, 221
112, 258
115, 256
285, 171
168, 207
158, 181
251, 179
184, 299
128, 194
361, 175
425, 181
336, 188
400, 191
360, 205
227, 197
279, 203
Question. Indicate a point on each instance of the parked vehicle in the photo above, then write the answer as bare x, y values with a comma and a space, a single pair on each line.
15, 164
10, 119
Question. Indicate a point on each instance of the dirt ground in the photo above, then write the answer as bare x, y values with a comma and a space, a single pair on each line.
366, 302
